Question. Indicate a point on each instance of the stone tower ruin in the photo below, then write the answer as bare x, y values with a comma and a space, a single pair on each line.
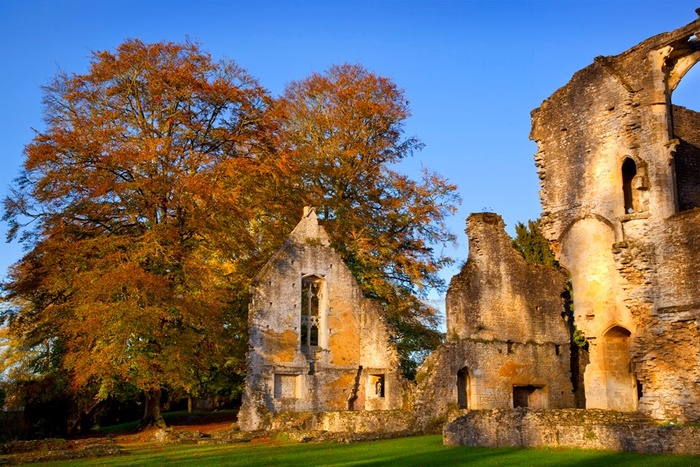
619, 166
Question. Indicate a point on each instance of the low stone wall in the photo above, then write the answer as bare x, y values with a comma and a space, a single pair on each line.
347, 421
572, 428
52, 449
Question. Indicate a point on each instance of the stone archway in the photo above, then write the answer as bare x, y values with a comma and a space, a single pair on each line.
619, 380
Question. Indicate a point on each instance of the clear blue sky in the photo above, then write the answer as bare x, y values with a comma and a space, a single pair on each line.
472, 70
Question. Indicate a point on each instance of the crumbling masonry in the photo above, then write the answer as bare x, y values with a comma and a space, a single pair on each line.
507, 335
316, 343
620, 174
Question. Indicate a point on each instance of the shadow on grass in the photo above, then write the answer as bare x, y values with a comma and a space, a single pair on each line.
199, 418
415, 451
428, 451
181, 418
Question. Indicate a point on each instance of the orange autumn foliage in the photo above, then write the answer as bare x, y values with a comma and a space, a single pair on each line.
129, 190
339, 134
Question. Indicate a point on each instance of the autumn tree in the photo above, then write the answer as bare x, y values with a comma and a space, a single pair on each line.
340, 136
134, 205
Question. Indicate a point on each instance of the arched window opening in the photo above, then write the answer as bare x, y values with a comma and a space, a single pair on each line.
685, 121
685, 92
629, 171
621, 384
311, 289
463, 388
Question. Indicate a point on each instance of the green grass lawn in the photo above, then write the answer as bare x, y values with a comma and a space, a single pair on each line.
414, 451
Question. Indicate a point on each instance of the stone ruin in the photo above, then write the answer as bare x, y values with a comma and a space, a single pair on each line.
318, 346
619, 166
316, 343
508, 341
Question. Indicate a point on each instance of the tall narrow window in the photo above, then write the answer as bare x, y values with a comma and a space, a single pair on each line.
463, 388
310, 304
629, 171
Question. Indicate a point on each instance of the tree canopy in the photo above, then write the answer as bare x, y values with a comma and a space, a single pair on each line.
163, 181
129, 189
339, 134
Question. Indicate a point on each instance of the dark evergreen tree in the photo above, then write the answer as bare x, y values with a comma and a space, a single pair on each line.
530, 242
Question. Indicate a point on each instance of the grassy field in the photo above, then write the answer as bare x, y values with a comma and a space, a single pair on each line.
415, 451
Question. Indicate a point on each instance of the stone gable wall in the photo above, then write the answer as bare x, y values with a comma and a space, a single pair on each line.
353, 351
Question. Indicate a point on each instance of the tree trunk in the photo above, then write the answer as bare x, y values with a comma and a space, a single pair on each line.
86, 420
189, 404
151, 411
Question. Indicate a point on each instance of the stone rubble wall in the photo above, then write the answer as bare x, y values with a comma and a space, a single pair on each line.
497, 295
493, 372
347, 421
570, 428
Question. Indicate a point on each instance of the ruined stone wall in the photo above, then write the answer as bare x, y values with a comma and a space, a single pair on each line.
508, 341
586, 429
497, 295
398, 422
668, 345
608, 143
616, 108
678, 265
494, 368
352, 366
